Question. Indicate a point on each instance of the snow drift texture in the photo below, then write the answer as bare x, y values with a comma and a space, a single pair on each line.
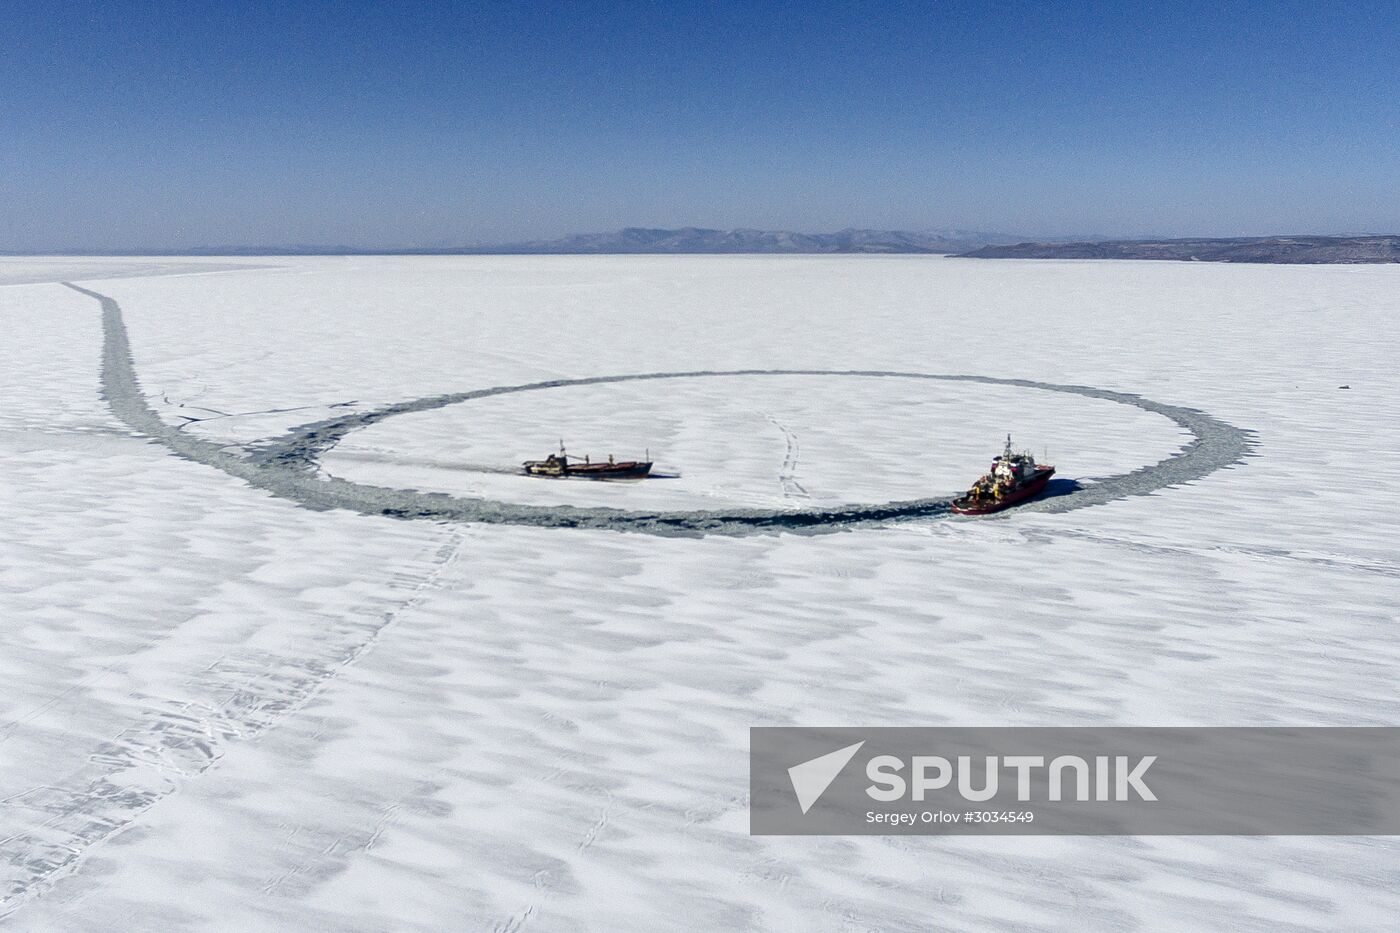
226, 710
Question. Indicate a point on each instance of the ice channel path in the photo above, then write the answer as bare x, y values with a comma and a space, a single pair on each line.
287, 466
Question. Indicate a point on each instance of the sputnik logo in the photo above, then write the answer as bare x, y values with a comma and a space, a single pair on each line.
811, 778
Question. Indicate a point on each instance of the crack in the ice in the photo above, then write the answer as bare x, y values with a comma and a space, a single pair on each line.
247, 692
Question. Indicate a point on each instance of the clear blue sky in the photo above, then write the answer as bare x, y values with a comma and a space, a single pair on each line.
399, 123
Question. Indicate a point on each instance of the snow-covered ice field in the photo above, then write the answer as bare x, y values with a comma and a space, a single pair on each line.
225, 710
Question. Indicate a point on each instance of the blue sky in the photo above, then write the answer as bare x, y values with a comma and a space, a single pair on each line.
426, 124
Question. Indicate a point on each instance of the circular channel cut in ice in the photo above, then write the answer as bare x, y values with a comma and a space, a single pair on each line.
776, 442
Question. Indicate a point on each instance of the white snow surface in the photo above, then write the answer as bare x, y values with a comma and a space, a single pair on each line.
226, 711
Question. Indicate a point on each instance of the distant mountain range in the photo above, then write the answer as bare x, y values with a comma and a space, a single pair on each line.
961, 243
1272, 249
743, 240
631, 240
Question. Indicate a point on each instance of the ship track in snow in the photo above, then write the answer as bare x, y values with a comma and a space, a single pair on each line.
287, 466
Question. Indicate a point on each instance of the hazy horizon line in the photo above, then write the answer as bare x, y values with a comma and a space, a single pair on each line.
514, 247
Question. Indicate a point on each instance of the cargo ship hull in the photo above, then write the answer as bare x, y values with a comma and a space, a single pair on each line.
628, 469
560, 468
